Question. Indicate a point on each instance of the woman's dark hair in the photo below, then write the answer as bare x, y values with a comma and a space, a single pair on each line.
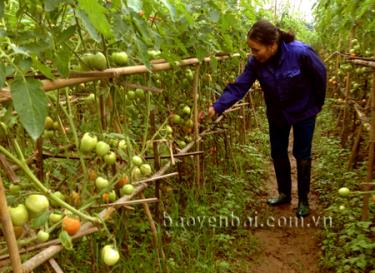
266, 33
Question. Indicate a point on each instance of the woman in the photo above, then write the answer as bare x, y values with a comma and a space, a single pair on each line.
293, 80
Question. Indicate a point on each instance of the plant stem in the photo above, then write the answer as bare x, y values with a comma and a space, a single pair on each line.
43, 189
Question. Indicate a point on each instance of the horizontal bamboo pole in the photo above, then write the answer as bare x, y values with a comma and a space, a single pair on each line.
362, 62
48, 85
130, 202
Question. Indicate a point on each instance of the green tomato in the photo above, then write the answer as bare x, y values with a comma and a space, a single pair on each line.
110, 255
88, 143
48, 134
90, 97
87, 61
14, 189
59, 195
120, 58
146, 169
102, 148
181, 144
98, 61
153, 53
112, 196
344, 191
127, 189
131, 95
139, 93
137, 160
37, 203
55, 218
110, 158
122, 144
42, 236
136, 173
186, 110
176, 119
48, 123
189, 74
168, 129
189, 123
101, 183
19, 215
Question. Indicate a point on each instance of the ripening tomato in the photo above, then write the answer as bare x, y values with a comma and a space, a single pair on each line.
71, 225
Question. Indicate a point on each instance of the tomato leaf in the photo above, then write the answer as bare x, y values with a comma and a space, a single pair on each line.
1, 9
171, 9
66, 240
135, 5
62, 58
30, 102
46, 71
51, 5
39, 220
2, 74
96, 14
89, 26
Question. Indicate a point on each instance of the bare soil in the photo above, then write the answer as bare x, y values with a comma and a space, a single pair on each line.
285, 243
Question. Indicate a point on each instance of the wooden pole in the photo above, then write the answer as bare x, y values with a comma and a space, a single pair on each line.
156, 163
347, 92
196, 124
155, 241
370, 162
9, 235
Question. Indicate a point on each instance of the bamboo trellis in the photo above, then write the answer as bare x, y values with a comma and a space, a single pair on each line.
53, 247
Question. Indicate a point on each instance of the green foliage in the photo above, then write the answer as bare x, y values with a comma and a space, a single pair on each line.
336, 20
347, 246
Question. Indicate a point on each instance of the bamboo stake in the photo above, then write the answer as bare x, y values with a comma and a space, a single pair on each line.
355, 147
154, 232
362, 62
55, 266
370, 162
9, 235
196, 125
156, 162
347, 92
130, 202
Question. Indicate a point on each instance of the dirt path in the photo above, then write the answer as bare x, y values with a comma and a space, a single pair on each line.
286, 244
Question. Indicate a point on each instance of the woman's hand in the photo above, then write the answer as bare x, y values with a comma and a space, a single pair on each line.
211, 112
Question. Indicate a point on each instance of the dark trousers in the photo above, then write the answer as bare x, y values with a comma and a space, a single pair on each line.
302, 139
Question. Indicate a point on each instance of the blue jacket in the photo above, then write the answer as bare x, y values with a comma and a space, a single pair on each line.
293, 82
